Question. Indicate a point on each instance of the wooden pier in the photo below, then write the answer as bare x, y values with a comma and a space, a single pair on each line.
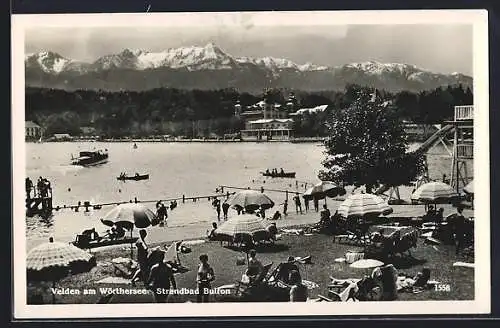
39, 200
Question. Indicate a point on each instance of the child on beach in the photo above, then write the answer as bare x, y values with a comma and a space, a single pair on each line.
203, 279
298, 205
285, 208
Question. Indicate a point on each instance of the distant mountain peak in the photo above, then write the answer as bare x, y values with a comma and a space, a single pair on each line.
218, 69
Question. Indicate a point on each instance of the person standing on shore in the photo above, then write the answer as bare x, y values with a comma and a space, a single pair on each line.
306, 203
316, 204
204, 278
225, 209
298, 205
285, 208
29, 186
216, 204
142, 258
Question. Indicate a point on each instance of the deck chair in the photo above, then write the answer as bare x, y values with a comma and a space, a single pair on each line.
173, 259
243, 289
343, 289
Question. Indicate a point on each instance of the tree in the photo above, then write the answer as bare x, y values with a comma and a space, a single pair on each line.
366, 145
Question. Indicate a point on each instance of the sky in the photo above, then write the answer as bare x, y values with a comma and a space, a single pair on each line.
443, 48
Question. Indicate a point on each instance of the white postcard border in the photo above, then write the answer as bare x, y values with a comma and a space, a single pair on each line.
481, 304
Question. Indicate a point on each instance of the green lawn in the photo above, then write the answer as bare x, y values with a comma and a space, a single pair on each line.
438, 259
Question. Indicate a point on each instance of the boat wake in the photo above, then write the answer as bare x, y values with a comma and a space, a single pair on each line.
65, 169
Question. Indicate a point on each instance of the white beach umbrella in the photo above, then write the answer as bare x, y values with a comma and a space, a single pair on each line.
245, 224
141, 216
54, 260
251, 200
469, 188
434, 192
360, 205
324, 189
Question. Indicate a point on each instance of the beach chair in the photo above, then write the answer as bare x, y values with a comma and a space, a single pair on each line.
354, 289
250, 289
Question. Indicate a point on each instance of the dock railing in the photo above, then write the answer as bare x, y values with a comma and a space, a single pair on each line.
464, 112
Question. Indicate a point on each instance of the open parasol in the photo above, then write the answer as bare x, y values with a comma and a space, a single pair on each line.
434, 192
53, 261
361, 205
324, 189
251, 200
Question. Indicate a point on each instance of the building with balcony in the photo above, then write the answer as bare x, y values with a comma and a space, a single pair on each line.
267, 121
32, 131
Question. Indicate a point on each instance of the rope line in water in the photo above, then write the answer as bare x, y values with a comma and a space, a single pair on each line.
135, 200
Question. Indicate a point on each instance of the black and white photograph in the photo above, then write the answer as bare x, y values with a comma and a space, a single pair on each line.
330, 159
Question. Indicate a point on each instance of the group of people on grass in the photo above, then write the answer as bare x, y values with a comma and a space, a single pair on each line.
157, 273
287, 273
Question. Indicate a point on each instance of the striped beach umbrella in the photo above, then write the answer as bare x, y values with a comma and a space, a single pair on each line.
248, 225
55, 255
434, 192
324, 189
141, 216
361, 205
251, 200
53, 261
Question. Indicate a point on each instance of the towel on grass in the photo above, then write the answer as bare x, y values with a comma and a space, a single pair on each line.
114, 280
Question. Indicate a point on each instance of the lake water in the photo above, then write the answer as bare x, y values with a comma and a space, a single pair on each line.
192, 169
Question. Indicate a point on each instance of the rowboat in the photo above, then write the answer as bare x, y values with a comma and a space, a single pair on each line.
84, 243
279, 174
136, 177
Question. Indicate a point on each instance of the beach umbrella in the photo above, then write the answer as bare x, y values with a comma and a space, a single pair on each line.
361, 205
366, 264
53, 261
324, 189
245, 225
141, 216
251, 200
434, 192
469, 188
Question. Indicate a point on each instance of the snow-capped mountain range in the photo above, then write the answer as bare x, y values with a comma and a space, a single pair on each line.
209, 67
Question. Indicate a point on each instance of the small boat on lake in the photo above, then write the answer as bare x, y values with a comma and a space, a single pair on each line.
84, 242
279, 174
135, 177
91, 158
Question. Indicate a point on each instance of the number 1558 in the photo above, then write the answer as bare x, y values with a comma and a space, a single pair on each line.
442, 288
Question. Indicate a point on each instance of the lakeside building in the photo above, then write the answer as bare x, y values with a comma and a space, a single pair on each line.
267, 121
32, 131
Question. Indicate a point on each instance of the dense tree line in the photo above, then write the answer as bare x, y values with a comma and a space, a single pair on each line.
201, 113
